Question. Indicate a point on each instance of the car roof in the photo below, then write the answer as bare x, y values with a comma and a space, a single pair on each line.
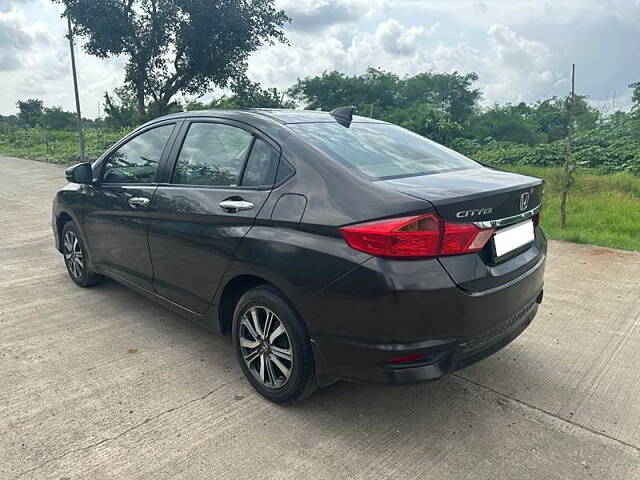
280, 115
287, 116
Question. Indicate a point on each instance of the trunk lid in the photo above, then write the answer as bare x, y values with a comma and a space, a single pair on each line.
473, 195
479, 195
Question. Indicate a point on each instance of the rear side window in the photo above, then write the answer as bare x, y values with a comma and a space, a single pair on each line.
284, 171
382, 150
261, 166
137, 160
212, 154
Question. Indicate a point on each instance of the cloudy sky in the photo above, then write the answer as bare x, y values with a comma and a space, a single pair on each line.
522, 49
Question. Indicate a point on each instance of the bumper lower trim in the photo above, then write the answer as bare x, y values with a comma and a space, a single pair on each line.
366, 361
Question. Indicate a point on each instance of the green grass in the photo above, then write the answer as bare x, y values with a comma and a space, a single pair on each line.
57, 146
601, 209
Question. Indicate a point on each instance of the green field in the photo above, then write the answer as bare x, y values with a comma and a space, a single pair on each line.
55, 146
602, 209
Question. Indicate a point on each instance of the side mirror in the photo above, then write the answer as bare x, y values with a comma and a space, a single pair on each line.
80, 173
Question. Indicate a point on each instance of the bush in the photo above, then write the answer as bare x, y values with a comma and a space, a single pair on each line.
55, 146
609, 149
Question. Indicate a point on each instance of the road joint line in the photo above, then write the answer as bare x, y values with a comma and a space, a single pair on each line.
546, 412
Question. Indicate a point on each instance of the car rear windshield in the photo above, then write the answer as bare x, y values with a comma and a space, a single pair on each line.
382, 150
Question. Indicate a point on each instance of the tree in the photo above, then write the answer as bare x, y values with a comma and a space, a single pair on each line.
176, 46
120, 112
374, 90
452, 92
377, 91
635, 95
248, 94
55, 118
427, 120
552, 116
505, 122
30, 111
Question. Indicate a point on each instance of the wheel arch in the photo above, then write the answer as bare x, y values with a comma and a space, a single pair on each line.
61, 220
234, 289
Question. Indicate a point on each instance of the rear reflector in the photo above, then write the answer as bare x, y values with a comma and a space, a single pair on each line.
406, 358
416, 237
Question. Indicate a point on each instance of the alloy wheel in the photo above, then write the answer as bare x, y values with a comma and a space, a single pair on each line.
73, 255
266, 346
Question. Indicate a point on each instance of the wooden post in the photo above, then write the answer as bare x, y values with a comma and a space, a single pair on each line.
568, 167
75, 89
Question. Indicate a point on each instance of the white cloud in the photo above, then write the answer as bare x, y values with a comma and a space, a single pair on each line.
397, 39
7, 5
522, 49
511, 67
41, 64
519, 69
313, 15
391, 46
16, 39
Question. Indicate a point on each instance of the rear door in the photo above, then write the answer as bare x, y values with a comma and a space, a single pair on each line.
116, 208
221, 174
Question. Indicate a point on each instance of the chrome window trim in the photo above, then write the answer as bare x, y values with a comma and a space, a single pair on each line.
501, 222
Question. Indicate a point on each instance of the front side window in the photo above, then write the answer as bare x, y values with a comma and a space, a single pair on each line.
382, 150
212, 154
137, 160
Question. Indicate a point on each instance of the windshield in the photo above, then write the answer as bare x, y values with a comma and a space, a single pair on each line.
382, 150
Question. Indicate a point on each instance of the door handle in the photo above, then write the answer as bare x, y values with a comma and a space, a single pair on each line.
138, 202
233, 206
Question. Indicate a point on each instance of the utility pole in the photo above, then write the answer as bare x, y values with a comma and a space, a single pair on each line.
75, 88
568, 168
371, 108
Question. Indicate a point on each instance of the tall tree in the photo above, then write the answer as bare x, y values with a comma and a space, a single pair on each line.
247, 94
176, 46
55, 118
374, 90
635, 95
453, 92
505, 122
427, 120
30, 111
377, 92
120, 109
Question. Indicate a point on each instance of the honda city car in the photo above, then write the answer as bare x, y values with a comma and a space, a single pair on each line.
329, 246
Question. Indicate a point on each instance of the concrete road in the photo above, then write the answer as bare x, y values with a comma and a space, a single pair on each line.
103, 383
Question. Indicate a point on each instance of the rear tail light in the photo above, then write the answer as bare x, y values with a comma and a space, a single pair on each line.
415, 237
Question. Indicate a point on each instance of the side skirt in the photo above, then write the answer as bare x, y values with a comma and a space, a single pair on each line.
204, 320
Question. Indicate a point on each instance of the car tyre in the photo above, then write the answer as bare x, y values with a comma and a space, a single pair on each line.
76, 260
273, 347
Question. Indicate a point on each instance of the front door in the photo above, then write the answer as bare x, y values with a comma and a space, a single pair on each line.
222, 176
116, 216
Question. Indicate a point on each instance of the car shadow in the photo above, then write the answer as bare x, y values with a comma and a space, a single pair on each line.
453, 403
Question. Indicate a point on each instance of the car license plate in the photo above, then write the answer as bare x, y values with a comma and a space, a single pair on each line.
511, 238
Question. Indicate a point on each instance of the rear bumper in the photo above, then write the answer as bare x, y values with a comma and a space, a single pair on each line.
478, 325
56, 233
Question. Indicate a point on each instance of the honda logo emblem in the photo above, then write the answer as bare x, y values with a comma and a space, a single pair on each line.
524, 201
